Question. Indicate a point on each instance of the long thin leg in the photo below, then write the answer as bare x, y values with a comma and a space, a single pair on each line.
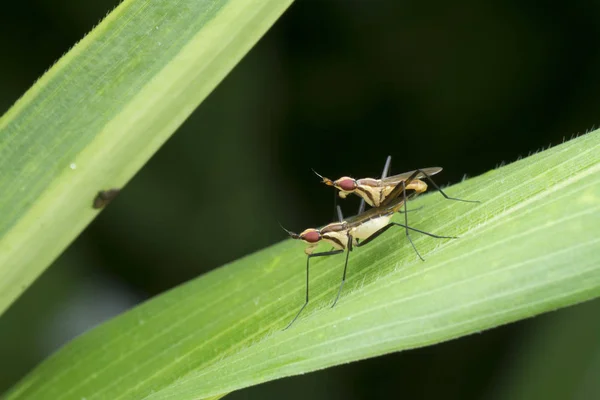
325, 253
414, 209
441, 191
406, 222
401, 186
348, 250
386, 168
388, 226
361, 207
340, 215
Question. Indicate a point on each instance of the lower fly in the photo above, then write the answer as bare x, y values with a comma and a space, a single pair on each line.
346, 234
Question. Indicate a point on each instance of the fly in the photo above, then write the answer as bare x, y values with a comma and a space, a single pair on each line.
380, 192
345, 235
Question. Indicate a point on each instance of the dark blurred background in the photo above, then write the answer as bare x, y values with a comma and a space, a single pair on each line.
336, 86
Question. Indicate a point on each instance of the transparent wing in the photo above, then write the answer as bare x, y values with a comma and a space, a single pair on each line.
395, 179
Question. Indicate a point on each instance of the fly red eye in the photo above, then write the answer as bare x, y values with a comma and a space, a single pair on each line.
347, 184
310, 236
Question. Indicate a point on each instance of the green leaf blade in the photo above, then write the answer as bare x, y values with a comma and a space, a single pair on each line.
531, 246
97, 116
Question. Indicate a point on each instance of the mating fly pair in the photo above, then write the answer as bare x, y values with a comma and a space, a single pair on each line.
386, 196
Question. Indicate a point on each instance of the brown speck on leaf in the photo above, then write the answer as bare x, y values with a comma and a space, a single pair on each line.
104, 197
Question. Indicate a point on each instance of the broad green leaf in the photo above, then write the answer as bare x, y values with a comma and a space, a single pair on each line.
531, 246
98, 115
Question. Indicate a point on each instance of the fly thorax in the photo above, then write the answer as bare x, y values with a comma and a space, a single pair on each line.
366, 229
338, 240
369, 193
370, 190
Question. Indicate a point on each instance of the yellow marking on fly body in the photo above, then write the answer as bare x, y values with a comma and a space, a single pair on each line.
380, 193
418, 186
341, 236
372, 200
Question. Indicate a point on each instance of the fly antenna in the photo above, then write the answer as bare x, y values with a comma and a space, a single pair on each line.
326, 181
292, 234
